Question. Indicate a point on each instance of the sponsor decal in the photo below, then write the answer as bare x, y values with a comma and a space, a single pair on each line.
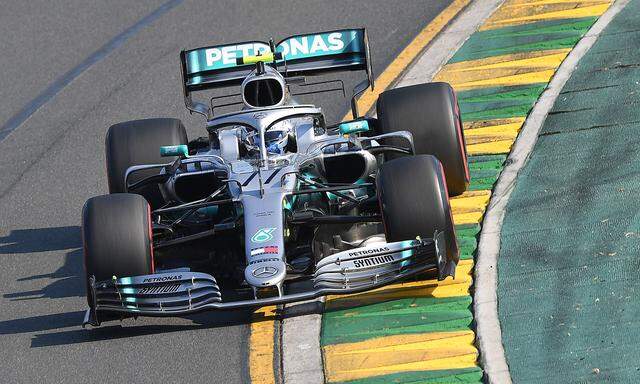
162, 279
223, 57
373, 261
265, 272
369, 251
297, 47
264, 214
263, 260
169, 288
315, 45
273, 249
262, 235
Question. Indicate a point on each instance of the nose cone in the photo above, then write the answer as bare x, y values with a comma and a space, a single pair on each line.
265, 272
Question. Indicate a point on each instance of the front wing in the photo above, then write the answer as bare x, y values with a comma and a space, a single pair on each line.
352, 271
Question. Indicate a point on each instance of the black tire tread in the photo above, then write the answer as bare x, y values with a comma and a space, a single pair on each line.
430, 112
116, 236
138, 142
414, 201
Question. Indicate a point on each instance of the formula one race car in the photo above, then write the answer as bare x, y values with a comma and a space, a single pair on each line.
275, 205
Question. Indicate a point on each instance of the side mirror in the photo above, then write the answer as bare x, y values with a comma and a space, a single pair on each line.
174, 150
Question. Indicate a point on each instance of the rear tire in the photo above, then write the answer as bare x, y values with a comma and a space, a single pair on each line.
116, 234
413, 201
138, 142
431, 113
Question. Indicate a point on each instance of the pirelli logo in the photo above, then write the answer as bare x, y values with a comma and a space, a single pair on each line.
373, 261
169, 288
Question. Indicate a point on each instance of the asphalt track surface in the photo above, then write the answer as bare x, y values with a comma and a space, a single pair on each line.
69, 70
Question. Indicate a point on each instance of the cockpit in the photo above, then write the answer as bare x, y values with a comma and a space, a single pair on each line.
279, 139
266, 133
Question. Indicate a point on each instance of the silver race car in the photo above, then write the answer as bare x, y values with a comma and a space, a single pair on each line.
274, 205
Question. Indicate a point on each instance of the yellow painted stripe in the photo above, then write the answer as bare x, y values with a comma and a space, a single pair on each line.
492, 136
551, 58
487, 138
470, 206
455, 362
468, 218
493, 132
492, 148
392, 343
510, 80
470, 202
471, 126
460, 361
518, 12
261, 346
408, 54
529, 3
510, 69
400, 353
593, 10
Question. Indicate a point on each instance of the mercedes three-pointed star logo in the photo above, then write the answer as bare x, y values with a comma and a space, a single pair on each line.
264, 272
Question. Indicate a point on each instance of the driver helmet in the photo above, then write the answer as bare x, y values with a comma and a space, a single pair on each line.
276, 138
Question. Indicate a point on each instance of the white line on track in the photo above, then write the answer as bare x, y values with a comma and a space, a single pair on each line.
60, 83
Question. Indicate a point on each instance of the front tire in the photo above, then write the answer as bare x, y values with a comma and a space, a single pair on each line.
431, 113
413, 200
116, 234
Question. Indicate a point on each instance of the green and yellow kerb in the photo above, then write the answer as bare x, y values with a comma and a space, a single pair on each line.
422, 331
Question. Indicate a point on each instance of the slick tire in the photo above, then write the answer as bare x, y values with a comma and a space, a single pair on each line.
413, 201
116, 234
138, 142
431, 113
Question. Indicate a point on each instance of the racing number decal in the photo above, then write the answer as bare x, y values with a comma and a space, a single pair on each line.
263, 234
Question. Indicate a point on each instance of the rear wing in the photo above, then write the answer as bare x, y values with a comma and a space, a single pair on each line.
300, 55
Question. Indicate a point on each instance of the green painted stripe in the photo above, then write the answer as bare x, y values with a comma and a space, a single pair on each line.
547, 27
403, 316
496, 109
483, 160
507, 94
467, 247
499, 102
483, 184
499, 113
543, 45
420, 304
467, 240
468, 229
445, 323
466, 375
538, 36
484, 171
